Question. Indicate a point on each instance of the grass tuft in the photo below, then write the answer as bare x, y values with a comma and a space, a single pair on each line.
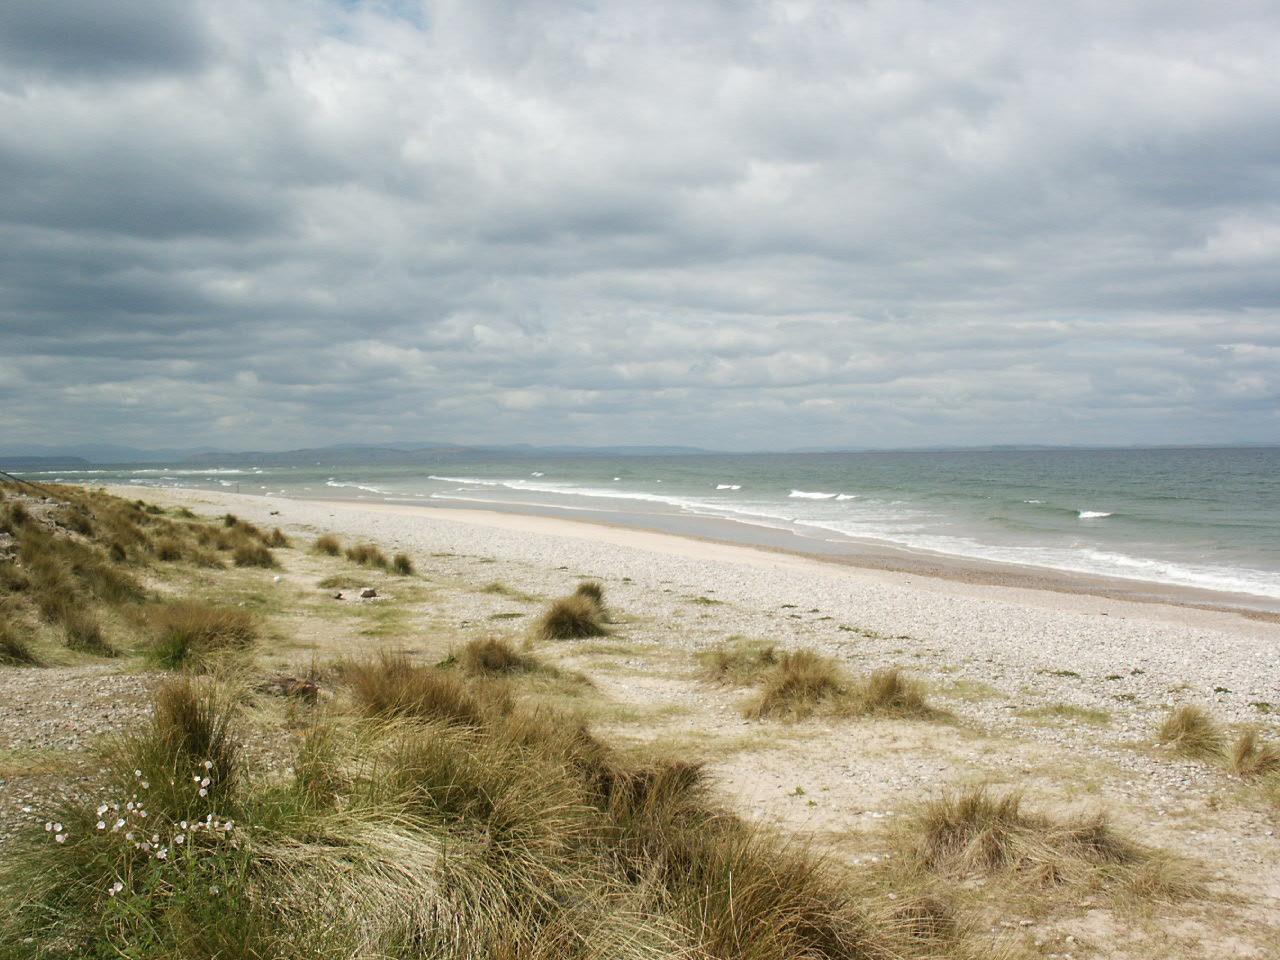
276, 538
593, 590
888, 692
1191, 732
391, 687
402, 565
797, 685
1251, 759
84, 634
14, 650
574, 617
368, 555
493, 656
327, 544
738, 662
191, 633
250, 554
973, 833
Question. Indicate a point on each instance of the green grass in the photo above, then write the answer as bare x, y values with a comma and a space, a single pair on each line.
190, 633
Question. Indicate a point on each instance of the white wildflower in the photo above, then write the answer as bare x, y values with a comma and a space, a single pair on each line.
102, 824
61, 838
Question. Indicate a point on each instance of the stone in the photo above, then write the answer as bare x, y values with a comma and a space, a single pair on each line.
368, 593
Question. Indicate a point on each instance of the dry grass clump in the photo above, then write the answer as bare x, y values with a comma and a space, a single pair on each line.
249, 554
888, 692
973, 833
593, 590
168, 549
574, 617
493, 656
799, 683
1251, 759
327, 544
1191, 732
189, 632
739, 662
368, 555
402, 564
276, 538
15, 651
390, 686
84, 634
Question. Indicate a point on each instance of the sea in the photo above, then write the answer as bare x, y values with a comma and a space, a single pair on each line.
1203, 518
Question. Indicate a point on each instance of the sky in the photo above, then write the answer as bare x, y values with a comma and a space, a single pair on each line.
269, 224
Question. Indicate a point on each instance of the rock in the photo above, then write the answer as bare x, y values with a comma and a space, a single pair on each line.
337, 596
368, 593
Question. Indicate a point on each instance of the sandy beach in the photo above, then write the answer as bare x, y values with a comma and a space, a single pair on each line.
1055, 695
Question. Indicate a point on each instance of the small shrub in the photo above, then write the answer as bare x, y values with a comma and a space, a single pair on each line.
185, 513
800, 683
1251, 759
188, 631
570, 618
367, 555
402, 564
230, 520
276, 538
593, 590
1191, 732
327, 544
18, 515
253, 555
117, 553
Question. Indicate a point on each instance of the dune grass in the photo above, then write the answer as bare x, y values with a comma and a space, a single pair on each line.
1190, 731
803, 683
574, 617
193, 634
250, 554
491, 656
276, 538
328, 545
84, 634
737, 662
1252, 759
15, 650
975, 833
368, 555
516, 834
402, 564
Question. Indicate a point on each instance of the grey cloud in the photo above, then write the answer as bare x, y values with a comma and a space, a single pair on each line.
79, 38
704, 222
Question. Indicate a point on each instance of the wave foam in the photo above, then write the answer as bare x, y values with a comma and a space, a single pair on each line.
728, 486
811, 495
355, 486
1091, 514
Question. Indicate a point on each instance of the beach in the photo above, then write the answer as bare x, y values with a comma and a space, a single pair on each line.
1052, 695
967, 625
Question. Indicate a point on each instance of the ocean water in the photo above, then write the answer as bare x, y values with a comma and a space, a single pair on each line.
1207, 518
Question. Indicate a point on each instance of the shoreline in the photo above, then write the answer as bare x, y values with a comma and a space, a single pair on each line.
1046, 589
846, 553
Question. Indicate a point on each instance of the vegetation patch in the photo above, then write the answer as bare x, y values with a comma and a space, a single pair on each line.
974, 833
738, 661
368, 555
328, 545
575, 617
189, 633
1191, 732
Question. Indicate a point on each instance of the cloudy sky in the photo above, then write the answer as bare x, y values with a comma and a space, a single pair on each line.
249, 223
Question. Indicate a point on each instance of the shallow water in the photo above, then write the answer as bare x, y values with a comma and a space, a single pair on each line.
1207, 518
